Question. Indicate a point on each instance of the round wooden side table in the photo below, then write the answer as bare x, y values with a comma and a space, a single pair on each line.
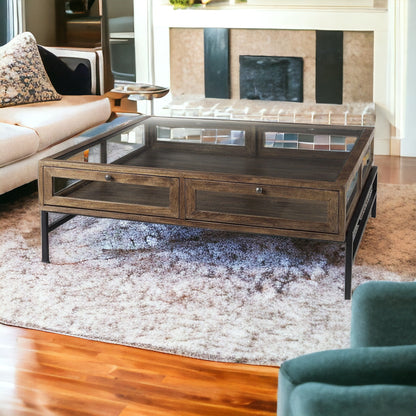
136, 92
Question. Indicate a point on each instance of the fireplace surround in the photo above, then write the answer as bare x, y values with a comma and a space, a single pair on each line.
377, 107
187, 62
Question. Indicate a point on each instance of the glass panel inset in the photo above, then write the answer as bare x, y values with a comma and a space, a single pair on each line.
367, 161
290, 209
60, 185
113, 149
324, 142
351, 191
111, 192
306, 141
213, 136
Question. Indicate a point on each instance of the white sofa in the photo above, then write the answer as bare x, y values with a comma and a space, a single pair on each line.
31, 132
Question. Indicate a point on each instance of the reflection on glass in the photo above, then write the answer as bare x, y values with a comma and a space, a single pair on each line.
200, 135
352, 189
309, 141
367, 161
104, 191
113, 149
121, 37
59, 185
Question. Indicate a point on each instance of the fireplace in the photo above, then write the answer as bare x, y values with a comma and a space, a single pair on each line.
271, 78
351, 74
368, 73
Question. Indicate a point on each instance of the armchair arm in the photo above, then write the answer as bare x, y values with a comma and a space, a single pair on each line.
347, 367
384, 314
318, 399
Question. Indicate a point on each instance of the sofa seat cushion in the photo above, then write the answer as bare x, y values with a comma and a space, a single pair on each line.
16, 143
55, 121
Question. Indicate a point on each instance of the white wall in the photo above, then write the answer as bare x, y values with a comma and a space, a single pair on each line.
118, 8
40, 19
143, 39
408, 145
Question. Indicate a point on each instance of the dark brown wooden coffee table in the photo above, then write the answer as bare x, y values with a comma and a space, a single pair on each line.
306, 181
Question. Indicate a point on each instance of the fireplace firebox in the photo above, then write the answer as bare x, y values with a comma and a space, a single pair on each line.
271, 78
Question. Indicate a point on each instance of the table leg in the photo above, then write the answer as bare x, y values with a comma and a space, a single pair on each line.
366, 206
45, 236
374, 207
349, 260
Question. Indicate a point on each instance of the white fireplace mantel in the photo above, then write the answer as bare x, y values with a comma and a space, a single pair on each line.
277, 17
155, 18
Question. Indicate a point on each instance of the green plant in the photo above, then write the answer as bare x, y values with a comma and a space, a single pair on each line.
181, 3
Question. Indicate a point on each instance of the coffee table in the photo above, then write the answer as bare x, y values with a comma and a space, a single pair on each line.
295, 180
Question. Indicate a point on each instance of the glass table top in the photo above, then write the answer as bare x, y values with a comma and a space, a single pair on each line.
291, 151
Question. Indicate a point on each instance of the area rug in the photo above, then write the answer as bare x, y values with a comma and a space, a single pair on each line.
200, 293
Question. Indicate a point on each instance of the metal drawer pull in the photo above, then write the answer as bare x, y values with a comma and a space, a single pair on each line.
259, 190
108, 178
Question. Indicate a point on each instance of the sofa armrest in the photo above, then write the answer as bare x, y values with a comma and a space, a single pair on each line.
317, 399
383, 314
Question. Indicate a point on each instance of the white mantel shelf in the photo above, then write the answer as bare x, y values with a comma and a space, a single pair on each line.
271, 17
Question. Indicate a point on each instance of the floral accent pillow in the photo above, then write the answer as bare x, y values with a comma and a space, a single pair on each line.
23, 78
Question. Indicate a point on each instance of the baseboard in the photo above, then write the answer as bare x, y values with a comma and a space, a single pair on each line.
382, 146
395, 146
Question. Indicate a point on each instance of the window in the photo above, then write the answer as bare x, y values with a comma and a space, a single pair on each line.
121, 33
11, 19
3, 23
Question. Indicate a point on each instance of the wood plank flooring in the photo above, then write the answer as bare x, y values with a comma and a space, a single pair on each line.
396, 170
44, 374
48, 374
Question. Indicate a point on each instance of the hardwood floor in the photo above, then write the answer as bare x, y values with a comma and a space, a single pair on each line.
396, 170
44, 374
49, 374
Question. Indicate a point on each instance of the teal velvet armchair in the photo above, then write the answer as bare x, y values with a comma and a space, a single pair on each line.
375, 377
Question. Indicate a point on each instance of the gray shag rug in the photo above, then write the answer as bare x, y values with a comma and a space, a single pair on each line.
200, 293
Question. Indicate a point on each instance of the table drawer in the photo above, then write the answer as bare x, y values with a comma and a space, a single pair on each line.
280, 207
112, 191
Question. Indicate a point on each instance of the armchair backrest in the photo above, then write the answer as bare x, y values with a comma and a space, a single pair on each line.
384, 314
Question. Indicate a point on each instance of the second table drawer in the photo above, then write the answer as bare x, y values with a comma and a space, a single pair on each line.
272, 206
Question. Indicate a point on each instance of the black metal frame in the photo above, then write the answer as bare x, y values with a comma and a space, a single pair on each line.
46, 228
366, 206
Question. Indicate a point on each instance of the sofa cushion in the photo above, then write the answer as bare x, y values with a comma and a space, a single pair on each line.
58, 120
16, 143
23, 78
65, 80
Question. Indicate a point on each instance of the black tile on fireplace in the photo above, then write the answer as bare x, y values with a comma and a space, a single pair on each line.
329, 66
272, 78
216, 63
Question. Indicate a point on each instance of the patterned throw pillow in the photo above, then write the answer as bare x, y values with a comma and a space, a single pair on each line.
23, 78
